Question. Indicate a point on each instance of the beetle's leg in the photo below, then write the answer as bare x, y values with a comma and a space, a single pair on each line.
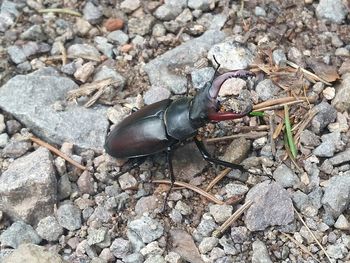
132, 163
206, 155
169, 157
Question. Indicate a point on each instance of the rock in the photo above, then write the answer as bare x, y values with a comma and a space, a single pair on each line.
272, 206
158, 30
86, 183
203, 5
29, 180
13, 126
92, 13
201, 76
15, 149
309, 138
330, 143
49, 229
296, 56
336, 196
207, 244
151, 250
97, 236
279, 57
206, 226
19, 233
260, 253
16, 54
231, 55
285, 176
232, 87
113, 24
342, 223
4, 139
64, 187
126, 181
155, 259
259, 11
329, 93
342, 98
44, 87
228, 245
34, 254
183, 208
83, 50
336, 251
34, 33
341, 157
106, 72
82, 26
2, 123
326, 114
129, 6
183, 244
332, 10
160, 70
173, 257
266, 90
141, 25
155, 94
101, 214
237, 151
239, 234
133, 258
69, 216
118, 37
167, 12
84, 72
147, 228
220, 212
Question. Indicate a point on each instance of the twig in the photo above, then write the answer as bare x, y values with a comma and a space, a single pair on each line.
63, 52
304, 248
278, 101
89, 88
221, 229
313, 236
59, 57
60, 10
249, 135
217, 179
56, 151
275, 107
303, 125
193, 188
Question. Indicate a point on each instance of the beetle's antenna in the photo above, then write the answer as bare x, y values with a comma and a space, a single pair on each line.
217, 68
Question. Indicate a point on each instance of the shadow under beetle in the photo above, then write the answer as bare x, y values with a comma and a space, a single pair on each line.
160, 126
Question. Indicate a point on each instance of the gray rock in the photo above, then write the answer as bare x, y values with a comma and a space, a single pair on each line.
158, 30
129, 6
141, 25
342, 223
260, 253
106, 72
259, 11
342, 97
178, 3
9, 12
64, 187
15, 149
239, 234
203, 5
19, 233
86, 183
29, 180
175, 216
4, 139
231, 55
118, 37
160, 70
155, 259
16, 54
201, 76
285, 176
34, 33
147, 228
126, 181
69, 216
134, 258
206, 226
183, 208
13, 126
279, 57
97, 236
266, 89
83, 50
101, 214
33, 253
207, 244
151, 250
332, 10
237, 151
336, 251
49, 229
326, 114
92, 13
272, 206
212, 22
234, 189
220, 212
103, 46
296, 56
167, 12
155, 94
2, 123
20, 53
21, 96
330, 143
336, 196
228, 245
341, 157
135, 240
309, 138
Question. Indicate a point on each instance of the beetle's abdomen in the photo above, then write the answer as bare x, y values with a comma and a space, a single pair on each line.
177, 119
142, 133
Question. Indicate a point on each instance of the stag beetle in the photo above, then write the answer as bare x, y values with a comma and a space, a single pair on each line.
162, 125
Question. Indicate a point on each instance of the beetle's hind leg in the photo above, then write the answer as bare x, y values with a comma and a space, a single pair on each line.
169, 157
131, 164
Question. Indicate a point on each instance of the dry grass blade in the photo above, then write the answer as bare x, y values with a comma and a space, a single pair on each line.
310, 115
60, 10
193, 188
221, 229
303, 248
271, 133
89, 88
313, 236
276, 107
249, 135
58, 152
278, 130
58, 57
95, 97
217, 179
307, 73
278, 101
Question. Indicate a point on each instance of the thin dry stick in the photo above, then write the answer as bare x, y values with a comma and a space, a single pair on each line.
89, 88
303, 248
59, 57
60, 10
58, 152
193, 188
275, 107
217, 179
312, 234
277, 102
311, 115
249, 135
271, 132
251, 128
221, 229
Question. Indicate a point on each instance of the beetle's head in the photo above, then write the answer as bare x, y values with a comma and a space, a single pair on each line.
205, 105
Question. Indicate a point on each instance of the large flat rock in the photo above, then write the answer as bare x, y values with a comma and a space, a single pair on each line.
31, 98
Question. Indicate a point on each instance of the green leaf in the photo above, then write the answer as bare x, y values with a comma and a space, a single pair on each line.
290, 138
257, 113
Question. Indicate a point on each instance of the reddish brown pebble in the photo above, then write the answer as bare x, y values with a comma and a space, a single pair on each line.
126, 48
113, 24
